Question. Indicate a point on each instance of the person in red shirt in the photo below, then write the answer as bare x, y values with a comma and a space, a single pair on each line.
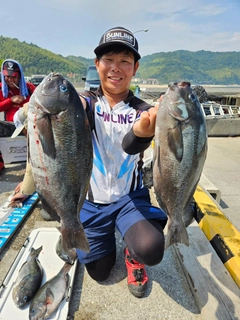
14, 90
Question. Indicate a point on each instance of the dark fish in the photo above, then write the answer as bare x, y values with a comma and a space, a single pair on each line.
70, 256
179, 154
29, 279
50, 295
60, 150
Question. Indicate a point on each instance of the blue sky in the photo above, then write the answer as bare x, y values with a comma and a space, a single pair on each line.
74, 27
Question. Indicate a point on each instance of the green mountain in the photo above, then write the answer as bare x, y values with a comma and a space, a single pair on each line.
35, 60
201, 67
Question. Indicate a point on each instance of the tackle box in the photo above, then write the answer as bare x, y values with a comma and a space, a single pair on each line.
13, 149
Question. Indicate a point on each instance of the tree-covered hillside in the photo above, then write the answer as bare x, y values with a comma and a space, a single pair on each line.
201, 67
35, 60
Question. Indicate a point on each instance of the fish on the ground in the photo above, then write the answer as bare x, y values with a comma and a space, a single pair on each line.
61, 155
180, 150
68, 256
50, 295
28, 280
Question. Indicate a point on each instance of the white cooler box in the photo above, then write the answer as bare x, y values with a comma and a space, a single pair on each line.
14, 149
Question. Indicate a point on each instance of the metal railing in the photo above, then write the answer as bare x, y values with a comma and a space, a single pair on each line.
213, 109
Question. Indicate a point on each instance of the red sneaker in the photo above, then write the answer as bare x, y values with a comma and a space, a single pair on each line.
137, 276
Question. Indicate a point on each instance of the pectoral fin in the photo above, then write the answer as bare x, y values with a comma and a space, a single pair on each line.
45, 133
49, 296
175, 141
24, 280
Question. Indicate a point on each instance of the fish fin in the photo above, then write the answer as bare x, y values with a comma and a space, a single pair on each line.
158, 158
35, 252
22, 266
46, 137
74, 237
175, 141
24, 280
49, 296
177, 233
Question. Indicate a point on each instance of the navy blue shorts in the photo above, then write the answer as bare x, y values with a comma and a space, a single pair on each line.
100, 220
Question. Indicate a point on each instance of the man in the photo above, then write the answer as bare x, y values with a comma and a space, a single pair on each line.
122, 128
15, 91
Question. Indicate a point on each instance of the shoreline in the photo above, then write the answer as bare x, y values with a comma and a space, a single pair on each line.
219, 89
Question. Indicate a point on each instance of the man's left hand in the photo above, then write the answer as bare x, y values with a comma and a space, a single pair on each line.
145, 126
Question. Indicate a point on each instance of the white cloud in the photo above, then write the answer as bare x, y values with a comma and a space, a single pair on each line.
74, 27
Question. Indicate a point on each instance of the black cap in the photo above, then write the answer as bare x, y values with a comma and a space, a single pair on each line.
10, 68
118, 35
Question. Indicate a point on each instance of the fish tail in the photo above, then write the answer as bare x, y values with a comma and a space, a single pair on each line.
74, 238
177, 233
35, 252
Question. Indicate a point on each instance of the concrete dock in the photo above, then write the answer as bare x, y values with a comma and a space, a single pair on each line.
190, 283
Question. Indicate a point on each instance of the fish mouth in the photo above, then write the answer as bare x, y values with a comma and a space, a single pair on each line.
49, 87
45, 95
181, 84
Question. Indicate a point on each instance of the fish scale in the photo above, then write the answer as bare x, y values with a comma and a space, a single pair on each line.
180, 151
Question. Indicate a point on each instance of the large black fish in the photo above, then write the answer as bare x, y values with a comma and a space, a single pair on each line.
60, 151
180, 151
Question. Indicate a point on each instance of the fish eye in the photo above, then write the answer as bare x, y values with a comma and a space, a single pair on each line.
192, 97
63, 88
32, 312
25, 298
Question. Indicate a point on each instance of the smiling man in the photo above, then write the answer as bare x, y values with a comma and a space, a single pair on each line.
122, 128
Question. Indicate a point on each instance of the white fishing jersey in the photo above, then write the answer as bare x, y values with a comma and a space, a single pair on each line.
115, 173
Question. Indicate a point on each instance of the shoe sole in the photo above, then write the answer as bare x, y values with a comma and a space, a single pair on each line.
137, 294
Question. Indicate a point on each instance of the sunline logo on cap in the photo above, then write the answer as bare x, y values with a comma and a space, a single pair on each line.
119, 36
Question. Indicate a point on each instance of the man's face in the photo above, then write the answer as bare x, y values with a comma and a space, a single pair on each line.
116, 71
12, 82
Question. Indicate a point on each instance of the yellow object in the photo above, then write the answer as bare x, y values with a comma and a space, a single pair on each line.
223, 236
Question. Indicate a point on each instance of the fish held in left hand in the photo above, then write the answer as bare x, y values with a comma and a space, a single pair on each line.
61, 155
180, 151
